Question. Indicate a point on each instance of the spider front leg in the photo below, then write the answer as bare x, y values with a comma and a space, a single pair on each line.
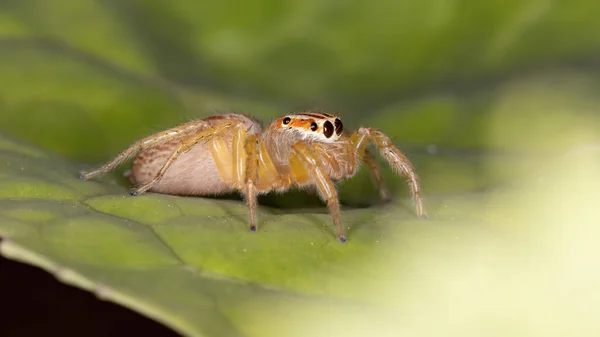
394, 157
371, 162
184, 146
304, 154
153, 140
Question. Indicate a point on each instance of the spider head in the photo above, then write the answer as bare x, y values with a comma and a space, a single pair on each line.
316, 126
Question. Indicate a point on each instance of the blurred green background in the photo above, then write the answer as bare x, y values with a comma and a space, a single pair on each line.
475, 92
87, 77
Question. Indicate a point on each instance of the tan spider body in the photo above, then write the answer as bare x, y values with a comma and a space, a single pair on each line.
231, 152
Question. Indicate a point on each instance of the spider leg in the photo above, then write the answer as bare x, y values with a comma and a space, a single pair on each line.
153, 140
394, 157
231, 159
371, 161
251, 176
256, 173
303, 154
185, 145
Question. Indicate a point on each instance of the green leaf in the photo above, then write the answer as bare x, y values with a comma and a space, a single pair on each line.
496, 105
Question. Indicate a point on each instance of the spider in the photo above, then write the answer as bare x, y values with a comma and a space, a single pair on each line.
231, 152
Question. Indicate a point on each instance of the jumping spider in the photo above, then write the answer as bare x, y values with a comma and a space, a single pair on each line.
231, 152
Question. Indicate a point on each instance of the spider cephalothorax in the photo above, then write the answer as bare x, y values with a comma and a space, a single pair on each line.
225, 153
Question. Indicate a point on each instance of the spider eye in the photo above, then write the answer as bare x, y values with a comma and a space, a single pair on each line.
338, 126
328, 129
287, 120
314, 126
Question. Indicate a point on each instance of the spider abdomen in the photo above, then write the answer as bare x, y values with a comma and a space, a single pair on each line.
205, 169
194, 172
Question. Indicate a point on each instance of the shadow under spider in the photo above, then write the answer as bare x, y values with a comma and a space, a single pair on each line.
298, 199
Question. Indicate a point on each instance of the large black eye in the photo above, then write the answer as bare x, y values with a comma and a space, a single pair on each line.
287, 120
338, 126
328, 129
314, 126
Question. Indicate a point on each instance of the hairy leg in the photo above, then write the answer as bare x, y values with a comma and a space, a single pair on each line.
371, 162
304, 154
231, 162
185, 145
153, 140
252, 148
394, 157
336, 171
